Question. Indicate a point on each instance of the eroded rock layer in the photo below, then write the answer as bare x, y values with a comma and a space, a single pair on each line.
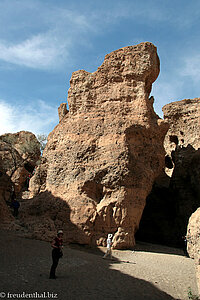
103, 156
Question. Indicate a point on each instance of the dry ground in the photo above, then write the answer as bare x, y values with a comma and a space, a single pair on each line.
150, 272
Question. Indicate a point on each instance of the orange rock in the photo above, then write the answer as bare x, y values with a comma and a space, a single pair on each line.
103, 156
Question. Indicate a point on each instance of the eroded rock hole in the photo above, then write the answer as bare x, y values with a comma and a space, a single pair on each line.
93, 190
168, 162
29, 167
173, 139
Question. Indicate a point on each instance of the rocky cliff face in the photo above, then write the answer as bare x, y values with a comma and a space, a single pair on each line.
5, 193
176, 193
103, 156
184, 119
19, 153
193, 238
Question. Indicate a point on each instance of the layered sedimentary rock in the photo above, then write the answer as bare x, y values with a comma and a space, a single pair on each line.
176, 193
103, 156
19, 153
193, 241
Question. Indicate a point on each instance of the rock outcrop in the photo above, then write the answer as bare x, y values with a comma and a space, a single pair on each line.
103, 156
19, 153
176, 193
193, 241
5, 193
62, 111
184, 119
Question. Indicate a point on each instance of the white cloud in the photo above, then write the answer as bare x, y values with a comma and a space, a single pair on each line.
37, 118
50, 33
47, 38
42, 51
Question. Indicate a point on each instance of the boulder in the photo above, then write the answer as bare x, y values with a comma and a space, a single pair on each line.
193, 241
104, 155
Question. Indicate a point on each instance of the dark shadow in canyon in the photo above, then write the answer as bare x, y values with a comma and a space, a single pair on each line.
172, 200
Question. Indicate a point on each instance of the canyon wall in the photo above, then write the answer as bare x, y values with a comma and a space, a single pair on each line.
176, 192
19, 153
102, 158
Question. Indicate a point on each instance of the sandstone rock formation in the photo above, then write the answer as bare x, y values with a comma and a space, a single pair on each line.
193, 238
62, 111
184, 119
103, 156
176, 193
19, 153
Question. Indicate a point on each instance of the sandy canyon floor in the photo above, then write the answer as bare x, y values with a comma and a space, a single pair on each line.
150, 272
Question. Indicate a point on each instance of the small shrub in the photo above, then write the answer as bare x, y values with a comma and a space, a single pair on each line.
191, 296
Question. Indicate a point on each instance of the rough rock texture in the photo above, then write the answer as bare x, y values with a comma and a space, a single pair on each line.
176, 194
62, 111
19, 153
193, 238
104, 155
5, 192
184, 119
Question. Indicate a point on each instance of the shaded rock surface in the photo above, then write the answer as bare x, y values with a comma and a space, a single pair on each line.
103, 156
19, 153
176, 193
5, 193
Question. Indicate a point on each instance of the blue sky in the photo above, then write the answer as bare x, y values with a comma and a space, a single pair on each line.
43, 41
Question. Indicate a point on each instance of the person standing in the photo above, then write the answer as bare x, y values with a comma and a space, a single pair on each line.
109, 246
15, 204
57, 253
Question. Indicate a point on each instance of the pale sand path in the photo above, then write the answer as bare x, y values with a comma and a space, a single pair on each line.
83, 274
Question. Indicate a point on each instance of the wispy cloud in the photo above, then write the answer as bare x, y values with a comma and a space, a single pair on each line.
42, 52
47, 38
37, 118
47, 46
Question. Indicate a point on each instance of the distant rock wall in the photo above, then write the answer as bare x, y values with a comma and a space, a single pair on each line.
184, 119
19, 153
103, 156
176, 193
